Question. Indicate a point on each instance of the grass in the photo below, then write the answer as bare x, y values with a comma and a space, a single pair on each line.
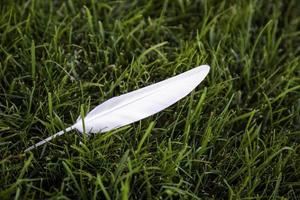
237, 136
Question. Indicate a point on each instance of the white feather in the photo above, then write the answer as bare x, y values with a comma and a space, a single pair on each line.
136, 105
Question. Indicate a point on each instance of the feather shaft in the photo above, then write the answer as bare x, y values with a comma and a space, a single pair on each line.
49, 138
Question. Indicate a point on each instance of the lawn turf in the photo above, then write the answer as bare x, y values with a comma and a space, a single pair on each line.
237, 136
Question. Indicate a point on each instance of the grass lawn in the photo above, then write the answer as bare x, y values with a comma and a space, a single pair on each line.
237, 136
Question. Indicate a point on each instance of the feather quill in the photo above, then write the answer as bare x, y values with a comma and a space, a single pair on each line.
136, 105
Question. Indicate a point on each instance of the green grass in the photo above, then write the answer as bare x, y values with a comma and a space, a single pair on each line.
237, 136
